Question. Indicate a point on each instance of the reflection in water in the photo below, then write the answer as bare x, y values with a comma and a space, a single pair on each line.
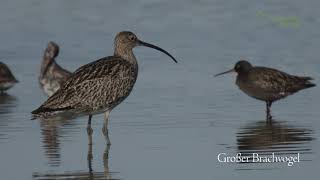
51, 131
50, 139
99, 175
90, 174
265, 138
7, 103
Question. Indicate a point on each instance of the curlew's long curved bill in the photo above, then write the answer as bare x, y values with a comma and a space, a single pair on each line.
157, 48
230, 71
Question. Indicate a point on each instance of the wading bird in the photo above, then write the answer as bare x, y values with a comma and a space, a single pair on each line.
7, 80
99, 86
267, 84
52, 76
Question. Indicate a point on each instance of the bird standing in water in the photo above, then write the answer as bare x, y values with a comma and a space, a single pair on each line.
52, 76
99, 86
267, 84
7, 80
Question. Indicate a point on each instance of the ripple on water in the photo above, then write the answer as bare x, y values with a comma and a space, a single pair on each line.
80, 174
275, 137
7, 105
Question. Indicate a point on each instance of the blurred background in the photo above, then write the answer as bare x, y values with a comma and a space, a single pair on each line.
178, 117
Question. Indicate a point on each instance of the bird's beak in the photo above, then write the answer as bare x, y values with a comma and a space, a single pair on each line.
141, 43
230, 71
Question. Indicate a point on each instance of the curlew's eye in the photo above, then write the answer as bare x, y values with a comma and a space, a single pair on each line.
132, 37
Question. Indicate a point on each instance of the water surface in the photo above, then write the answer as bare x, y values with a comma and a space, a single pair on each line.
178, 117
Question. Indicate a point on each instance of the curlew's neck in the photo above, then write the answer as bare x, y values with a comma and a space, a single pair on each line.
46, 63
125, 53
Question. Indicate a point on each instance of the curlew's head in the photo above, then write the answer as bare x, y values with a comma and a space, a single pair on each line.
241, 66
52, 50
125, 41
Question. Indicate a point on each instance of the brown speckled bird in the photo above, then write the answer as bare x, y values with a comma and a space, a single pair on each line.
52, 76
267, 84
7, 80
99, 86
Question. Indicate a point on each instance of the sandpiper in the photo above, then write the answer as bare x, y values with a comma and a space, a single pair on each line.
52, 76
99, 86
267, 84
7, 80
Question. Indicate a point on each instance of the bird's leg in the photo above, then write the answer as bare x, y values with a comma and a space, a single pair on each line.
89, 129
105, 127
90, 155
269, 117
106, 162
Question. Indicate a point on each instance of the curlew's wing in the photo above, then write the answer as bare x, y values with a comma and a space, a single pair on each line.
275, 81
95, 85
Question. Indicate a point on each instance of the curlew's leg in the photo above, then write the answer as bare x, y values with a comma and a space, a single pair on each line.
106, 162
268, 104
105, 127
90, 155
89, 130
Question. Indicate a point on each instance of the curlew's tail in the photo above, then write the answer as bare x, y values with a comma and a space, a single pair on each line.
299, 83
309, 84
36, 114
34, 117
43, 112
306, 82
306, 78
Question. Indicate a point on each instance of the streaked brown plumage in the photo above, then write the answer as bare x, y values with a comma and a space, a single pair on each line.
267, 84
52, 76
7, 80
98, 86
80, 91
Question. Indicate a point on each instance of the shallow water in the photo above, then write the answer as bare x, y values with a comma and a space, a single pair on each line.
178, 117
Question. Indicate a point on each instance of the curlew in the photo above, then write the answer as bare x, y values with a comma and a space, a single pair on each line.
52, 76
100, 86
